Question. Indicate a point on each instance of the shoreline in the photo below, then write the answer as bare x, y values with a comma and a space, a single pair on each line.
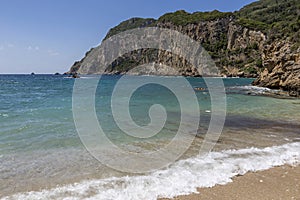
281, 182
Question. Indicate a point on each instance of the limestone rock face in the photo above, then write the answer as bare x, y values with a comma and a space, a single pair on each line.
260, 41
282, 68
234, 49
241, 37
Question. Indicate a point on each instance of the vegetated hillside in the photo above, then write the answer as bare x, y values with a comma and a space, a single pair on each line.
130, 24
261, 40
278, 18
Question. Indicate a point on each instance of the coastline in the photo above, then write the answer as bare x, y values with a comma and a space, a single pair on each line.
277, 183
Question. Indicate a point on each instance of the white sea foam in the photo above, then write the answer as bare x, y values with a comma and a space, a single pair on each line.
3, 114
255, 89
89, 77
85, 77
252, 87
181, 178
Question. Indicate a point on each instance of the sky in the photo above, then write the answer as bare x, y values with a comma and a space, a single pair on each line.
48, 36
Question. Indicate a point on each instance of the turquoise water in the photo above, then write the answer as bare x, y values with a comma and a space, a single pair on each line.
35, 113
38, 137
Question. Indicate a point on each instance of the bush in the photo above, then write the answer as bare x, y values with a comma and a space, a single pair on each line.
252, 24
259, 63
183, 18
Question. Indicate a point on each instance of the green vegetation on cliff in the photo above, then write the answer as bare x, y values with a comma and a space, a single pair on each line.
279, 18
130, 24
236, 41
183, 18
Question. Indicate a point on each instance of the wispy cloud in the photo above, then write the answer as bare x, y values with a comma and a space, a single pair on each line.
10, 45
53, 53
30, 48
6, 46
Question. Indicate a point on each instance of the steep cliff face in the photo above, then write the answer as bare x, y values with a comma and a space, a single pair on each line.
280, 20
262, 40
236, 50
282, 68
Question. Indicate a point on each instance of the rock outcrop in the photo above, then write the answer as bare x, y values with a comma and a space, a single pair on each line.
261, 41
235, 50
282, 68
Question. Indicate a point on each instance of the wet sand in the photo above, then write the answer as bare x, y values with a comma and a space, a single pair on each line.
277, 183
239, 133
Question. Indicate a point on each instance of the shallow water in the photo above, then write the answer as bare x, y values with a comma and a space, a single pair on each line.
40, 147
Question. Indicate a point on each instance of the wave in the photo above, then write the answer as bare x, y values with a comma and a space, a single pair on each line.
3, 114
254, 89
183, 177
83, 77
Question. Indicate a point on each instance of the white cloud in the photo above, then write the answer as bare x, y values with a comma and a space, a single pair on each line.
30, 48
53, 53
10, 45
6, 46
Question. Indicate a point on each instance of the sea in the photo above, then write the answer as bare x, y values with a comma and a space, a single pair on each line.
43, 155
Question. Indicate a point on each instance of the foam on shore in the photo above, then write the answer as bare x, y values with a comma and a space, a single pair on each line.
183, 177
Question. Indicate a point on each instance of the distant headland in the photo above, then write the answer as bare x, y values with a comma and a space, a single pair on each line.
261, 41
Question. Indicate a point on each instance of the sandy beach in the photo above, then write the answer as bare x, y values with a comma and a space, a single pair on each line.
277, 183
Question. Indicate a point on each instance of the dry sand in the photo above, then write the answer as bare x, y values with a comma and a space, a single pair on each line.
277, 183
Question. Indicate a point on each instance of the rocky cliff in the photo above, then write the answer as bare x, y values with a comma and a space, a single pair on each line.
261, 40
281, 68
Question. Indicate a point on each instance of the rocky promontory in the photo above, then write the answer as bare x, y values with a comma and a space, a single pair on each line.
282, 68
260, 41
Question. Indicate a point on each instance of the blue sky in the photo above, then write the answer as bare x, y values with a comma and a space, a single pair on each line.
47, 36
